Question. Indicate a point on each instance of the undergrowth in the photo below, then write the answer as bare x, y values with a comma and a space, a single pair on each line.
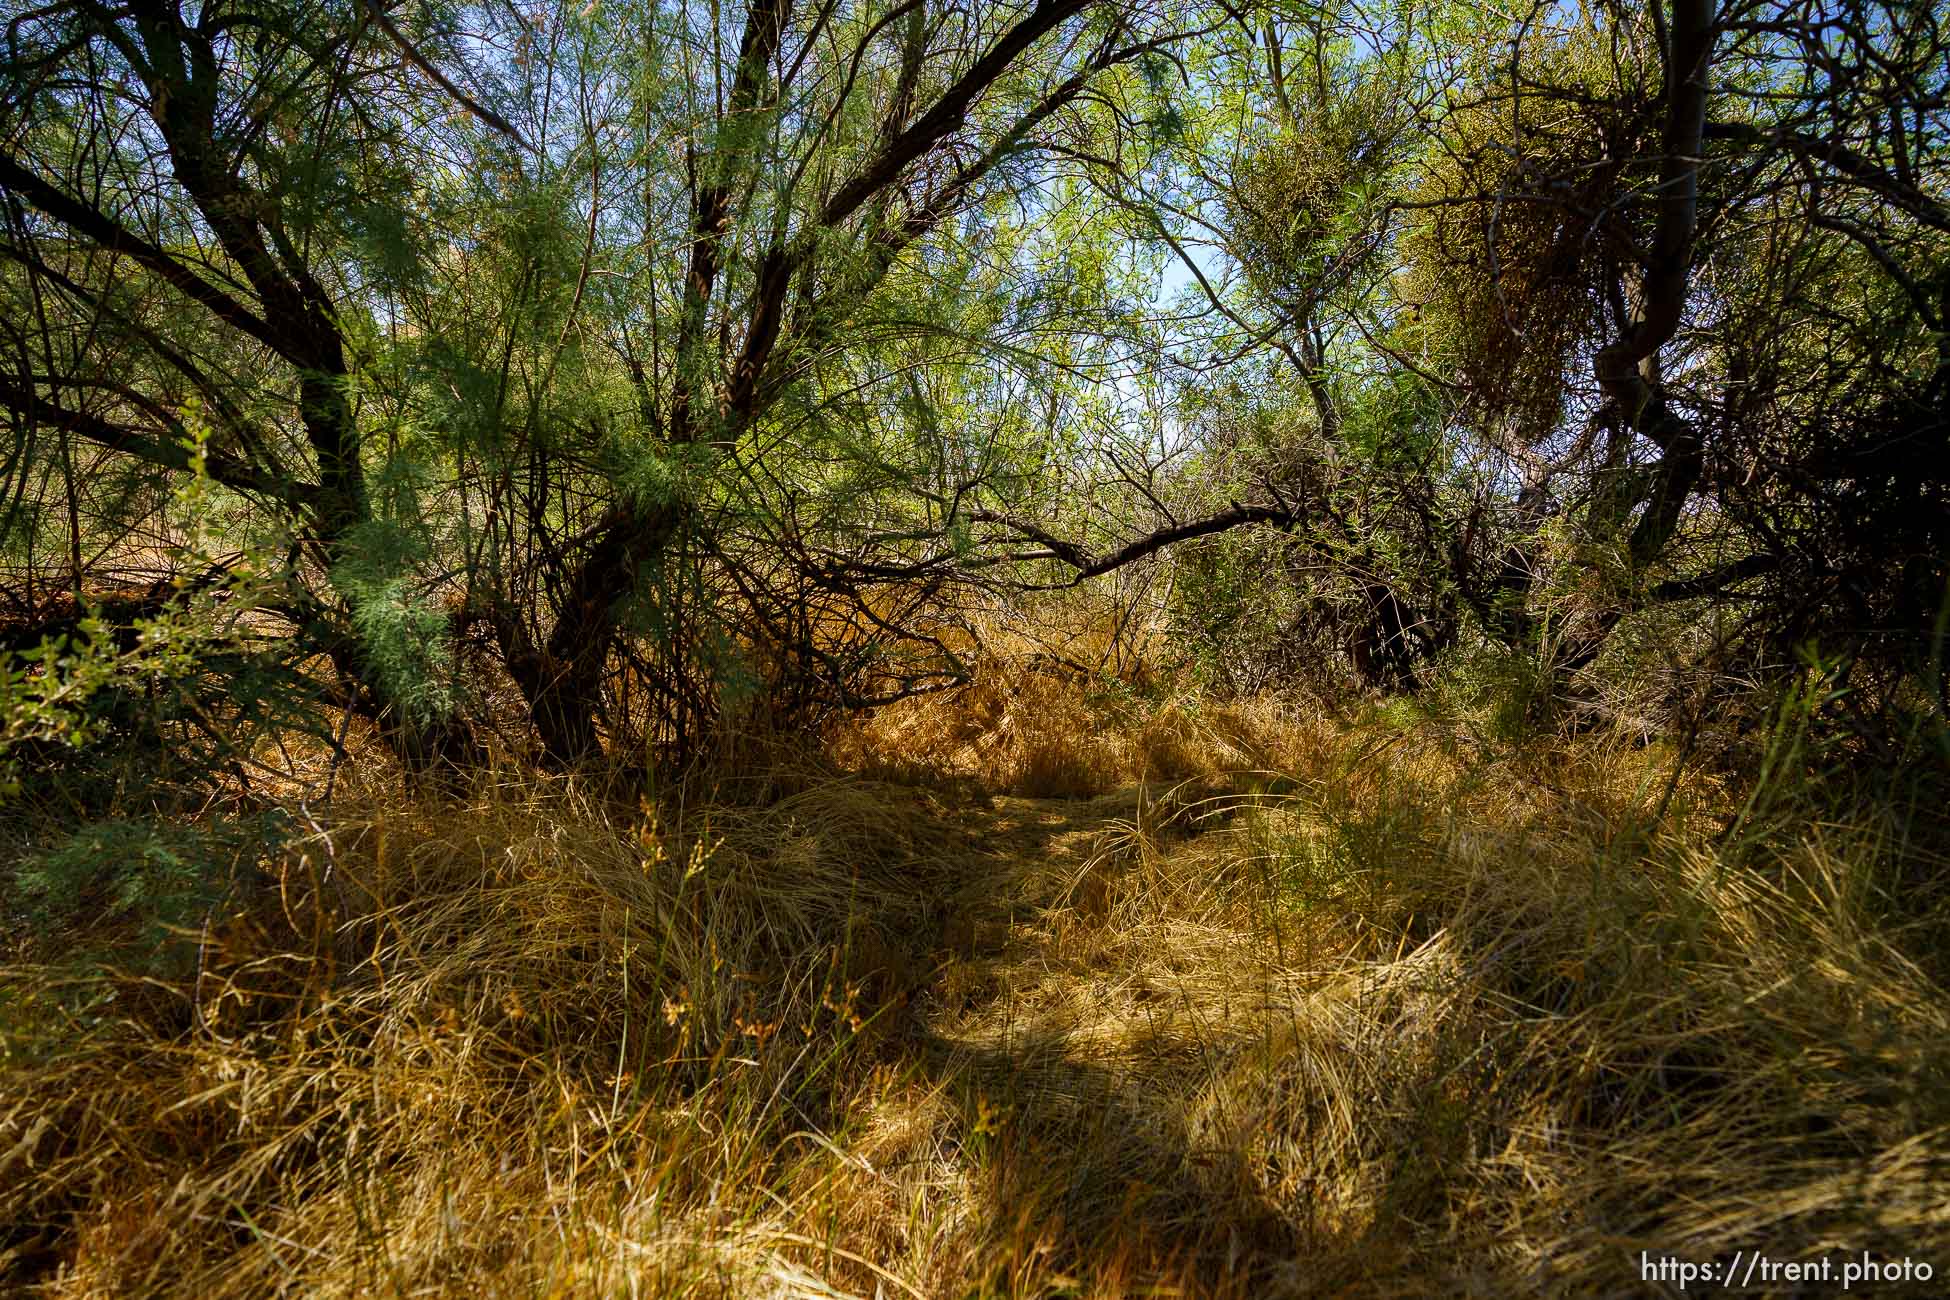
1180, 999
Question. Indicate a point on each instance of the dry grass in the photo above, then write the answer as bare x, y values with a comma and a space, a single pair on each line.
1141, 1018
468, 1047
1026, 728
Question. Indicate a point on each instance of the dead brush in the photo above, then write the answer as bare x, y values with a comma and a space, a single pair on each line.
1025, 732
1567, 1028
1427, 1027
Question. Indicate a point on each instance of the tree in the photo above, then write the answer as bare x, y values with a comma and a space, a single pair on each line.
299, 218
619, 364
1677, 249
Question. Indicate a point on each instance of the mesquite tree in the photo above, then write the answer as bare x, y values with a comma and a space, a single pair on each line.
1665, 282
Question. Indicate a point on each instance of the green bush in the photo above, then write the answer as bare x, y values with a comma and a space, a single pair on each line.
150, 882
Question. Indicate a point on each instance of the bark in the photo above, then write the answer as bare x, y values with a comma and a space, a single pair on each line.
1088, 565
1626, 368
562, 679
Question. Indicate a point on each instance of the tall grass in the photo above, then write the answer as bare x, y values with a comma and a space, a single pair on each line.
1255, 1005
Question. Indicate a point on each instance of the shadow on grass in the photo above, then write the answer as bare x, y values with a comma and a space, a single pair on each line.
1093, 1174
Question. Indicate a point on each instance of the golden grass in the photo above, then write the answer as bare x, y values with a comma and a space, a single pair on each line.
1024, 727
1190, 1000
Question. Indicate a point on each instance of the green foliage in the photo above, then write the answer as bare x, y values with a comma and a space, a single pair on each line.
87, 711
735, 288
45, 699
1239, 613
402, 630
652, 474
1302, 198
151, 880
1505, 695
132, 720
1358, 592
1505, 290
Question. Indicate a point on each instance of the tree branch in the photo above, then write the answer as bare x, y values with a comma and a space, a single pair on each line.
106, 232
1091, 566
230, 473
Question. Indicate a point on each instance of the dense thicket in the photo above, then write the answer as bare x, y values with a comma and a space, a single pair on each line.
595, 375
971, 647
